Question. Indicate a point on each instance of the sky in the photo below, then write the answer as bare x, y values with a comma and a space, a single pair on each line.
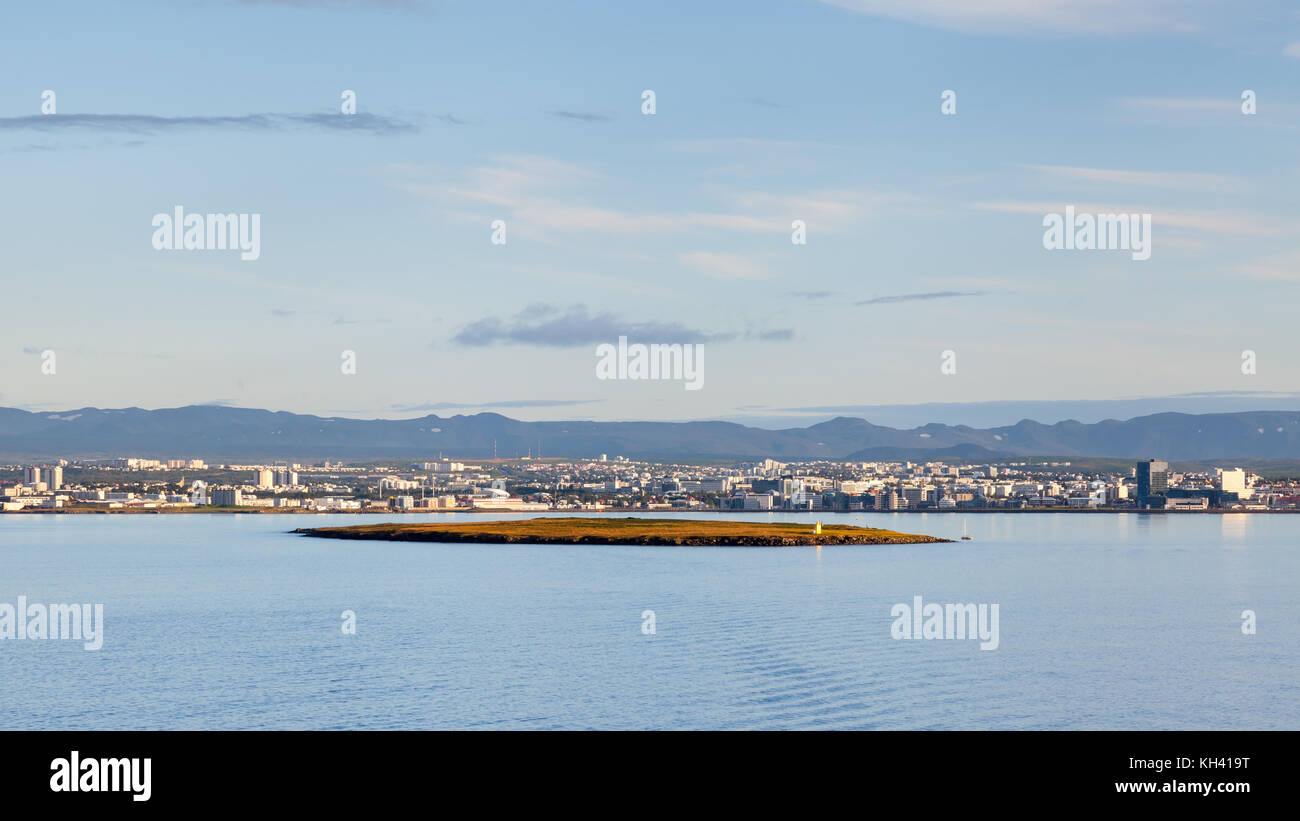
923, 281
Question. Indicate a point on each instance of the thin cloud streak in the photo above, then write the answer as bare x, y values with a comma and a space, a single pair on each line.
150, 124
1191, 180
544, 195
891, 300
723, 265
1040, 17
581, 116
389, 4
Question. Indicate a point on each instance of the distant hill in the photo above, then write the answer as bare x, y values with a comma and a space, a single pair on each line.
225, 434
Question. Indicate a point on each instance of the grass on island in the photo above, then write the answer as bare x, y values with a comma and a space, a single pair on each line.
630, 530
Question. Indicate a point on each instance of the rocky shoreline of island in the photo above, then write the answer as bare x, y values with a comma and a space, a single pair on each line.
624, 531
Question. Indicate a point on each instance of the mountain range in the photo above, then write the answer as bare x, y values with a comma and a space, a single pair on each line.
222, 434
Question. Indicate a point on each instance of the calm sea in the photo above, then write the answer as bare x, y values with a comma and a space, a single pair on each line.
215, 621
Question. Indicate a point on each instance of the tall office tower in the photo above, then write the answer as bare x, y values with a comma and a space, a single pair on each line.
1152, 480
53, 477
31, 476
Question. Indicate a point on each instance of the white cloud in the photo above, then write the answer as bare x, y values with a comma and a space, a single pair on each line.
1218, 110
1204, 104
1109, 17
1278, 268
543, 195
724, 266
1156, 179
1292, 50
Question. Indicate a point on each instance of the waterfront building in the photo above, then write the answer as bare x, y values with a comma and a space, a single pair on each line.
1152, 481
1234, 481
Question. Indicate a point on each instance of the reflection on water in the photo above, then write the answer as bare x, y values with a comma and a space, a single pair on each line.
1234, 527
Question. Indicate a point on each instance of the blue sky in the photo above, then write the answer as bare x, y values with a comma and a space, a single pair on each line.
924, 230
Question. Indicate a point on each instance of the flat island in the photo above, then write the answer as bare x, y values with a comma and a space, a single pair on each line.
629, 531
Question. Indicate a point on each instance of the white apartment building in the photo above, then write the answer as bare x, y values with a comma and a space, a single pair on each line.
1234, 481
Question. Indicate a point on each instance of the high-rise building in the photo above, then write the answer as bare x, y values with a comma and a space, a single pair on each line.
1152, 480
1234, 481
227, 497
51, 477
264, 478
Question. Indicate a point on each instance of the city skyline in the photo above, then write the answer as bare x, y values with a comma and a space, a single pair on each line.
131, 484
